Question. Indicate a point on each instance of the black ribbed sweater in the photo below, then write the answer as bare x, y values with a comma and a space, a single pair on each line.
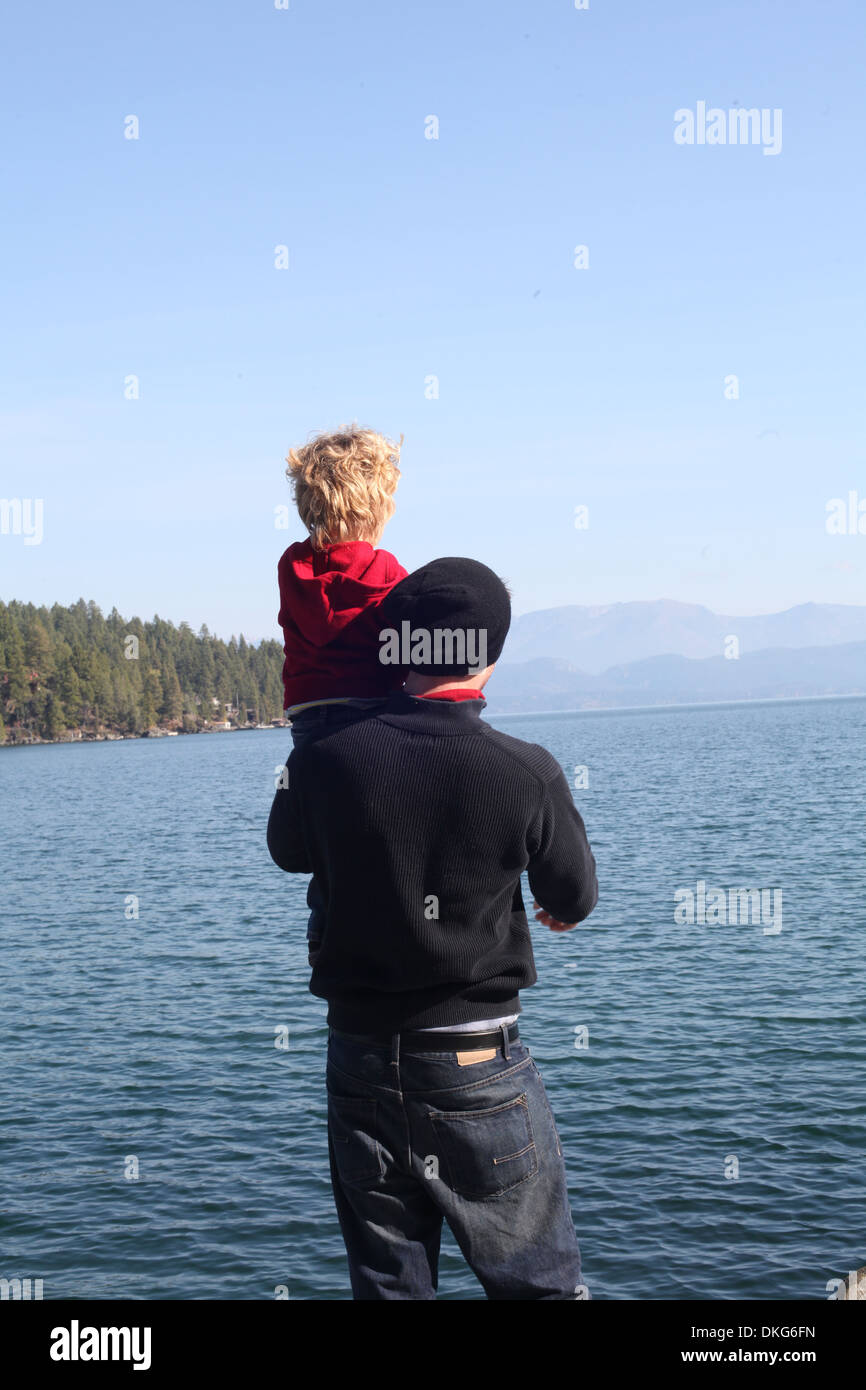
416, 825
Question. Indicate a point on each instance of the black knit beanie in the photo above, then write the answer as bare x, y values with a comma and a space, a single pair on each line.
455, 608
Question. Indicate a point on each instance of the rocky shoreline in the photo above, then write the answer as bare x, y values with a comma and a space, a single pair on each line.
112, 736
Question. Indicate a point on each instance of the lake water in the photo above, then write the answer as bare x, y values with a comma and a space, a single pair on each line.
713, 1127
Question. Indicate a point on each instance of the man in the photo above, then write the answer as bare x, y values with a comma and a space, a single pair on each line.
416, 823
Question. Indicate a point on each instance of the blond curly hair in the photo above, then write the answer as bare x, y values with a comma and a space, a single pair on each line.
343, 484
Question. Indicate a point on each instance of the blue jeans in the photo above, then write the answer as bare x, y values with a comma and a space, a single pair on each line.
310, 724
414, 1137
324, 719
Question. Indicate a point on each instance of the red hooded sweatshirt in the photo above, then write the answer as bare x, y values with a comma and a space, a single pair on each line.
329, 602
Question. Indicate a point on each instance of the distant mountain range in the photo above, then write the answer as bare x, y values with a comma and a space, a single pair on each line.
597, 638
673, 653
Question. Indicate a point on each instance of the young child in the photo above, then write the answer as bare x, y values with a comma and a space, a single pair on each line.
332, 584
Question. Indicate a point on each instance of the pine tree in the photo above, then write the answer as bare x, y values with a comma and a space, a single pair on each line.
53, 722
171, 703
69, 691
67, 668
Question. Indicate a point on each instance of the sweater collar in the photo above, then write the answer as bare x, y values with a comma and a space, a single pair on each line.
434, 716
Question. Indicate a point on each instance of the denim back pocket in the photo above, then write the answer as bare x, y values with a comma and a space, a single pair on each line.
352, 1127
486, 1152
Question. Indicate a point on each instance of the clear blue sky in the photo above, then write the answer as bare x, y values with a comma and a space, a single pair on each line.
453, 257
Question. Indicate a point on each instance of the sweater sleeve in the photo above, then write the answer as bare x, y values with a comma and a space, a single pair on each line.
561, 869
286, 841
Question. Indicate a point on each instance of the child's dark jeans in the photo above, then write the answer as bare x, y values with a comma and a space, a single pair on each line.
313, 723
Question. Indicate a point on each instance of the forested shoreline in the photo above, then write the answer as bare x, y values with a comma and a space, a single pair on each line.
72, 673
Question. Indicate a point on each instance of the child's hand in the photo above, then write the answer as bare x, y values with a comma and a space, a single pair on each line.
547, 921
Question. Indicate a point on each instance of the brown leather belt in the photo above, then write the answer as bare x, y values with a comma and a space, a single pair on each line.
433, 1042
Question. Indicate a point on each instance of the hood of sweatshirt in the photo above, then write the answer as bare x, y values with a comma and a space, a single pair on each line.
323, 591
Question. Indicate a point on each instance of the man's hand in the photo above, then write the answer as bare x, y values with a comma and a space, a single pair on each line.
547, 921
